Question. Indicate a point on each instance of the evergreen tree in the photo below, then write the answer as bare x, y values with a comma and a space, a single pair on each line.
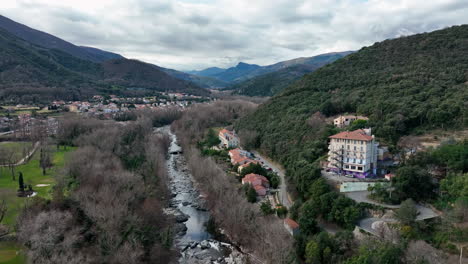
21, 182
251, 194
407, 212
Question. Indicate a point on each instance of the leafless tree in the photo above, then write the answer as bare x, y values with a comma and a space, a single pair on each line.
267, 237
10, 159
409, 144
45, 160
3, 209
316, 121
249, 139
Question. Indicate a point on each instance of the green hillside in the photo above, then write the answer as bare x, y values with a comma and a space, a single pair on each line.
272, 79
405, 85
271, 83
31, 73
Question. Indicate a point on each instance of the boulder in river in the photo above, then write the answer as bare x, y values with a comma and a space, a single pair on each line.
180, 229
205, 244
180, 218
193, 245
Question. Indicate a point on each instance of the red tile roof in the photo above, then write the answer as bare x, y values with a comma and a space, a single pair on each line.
248, 163
291, 223
259, 188
354, 135
255, 179
236, 156
224, 131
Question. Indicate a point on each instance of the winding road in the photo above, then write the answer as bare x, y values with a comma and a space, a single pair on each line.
284, 197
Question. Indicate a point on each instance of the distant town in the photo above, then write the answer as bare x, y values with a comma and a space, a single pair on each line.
104, 107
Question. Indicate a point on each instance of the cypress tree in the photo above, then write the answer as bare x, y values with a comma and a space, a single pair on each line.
21, 182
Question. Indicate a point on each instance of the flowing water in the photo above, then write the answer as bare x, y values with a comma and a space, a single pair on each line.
194, 242
186, 197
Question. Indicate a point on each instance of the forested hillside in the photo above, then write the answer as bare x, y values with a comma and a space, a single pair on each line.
52, 42
271, 83
254, 80
31, 73
274, 78
405, 85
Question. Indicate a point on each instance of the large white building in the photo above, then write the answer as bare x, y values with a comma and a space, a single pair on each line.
228, 138
353, 153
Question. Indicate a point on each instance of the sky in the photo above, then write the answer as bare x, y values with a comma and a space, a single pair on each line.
191, 34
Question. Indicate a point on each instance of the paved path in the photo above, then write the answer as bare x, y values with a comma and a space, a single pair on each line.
361, 197
25, 159
283, 193
367, 224
6, 133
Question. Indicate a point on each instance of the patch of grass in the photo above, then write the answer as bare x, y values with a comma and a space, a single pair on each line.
11, 253
32, 175
21, 148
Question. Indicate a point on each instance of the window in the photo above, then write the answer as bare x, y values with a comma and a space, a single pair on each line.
347, 146
362, 149
346, 166
354, 147
359, 168
353, 167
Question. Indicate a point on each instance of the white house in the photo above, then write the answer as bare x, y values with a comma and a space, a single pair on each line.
346, 120
228, 138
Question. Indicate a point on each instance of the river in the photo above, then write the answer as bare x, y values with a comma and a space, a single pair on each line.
193, 241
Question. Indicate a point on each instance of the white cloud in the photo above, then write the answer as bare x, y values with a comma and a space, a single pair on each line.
187, 34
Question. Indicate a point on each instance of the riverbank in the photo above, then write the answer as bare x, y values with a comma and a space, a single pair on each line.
188, 207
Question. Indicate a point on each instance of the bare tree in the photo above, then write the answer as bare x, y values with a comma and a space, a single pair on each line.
10, 159
3, 209
316, 121
45, 160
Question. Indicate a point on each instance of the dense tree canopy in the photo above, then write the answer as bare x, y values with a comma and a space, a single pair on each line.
403, 85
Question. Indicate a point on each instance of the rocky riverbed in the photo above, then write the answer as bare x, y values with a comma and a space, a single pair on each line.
187, 206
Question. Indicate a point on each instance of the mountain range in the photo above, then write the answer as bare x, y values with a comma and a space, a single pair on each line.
36, 66
270, 80
252, 79
49, 41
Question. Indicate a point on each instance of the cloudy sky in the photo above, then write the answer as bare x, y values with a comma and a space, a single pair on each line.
194, 34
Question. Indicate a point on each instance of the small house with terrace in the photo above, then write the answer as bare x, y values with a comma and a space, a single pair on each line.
239, 156
245, 165
346, 120
258, 182
292, 226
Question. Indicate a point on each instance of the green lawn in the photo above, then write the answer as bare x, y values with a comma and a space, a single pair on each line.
11, 253
20, 148
32, 174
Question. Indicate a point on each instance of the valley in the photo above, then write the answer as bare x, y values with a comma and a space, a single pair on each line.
355, 155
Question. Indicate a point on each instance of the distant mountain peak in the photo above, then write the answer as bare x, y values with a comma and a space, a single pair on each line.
243, 65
